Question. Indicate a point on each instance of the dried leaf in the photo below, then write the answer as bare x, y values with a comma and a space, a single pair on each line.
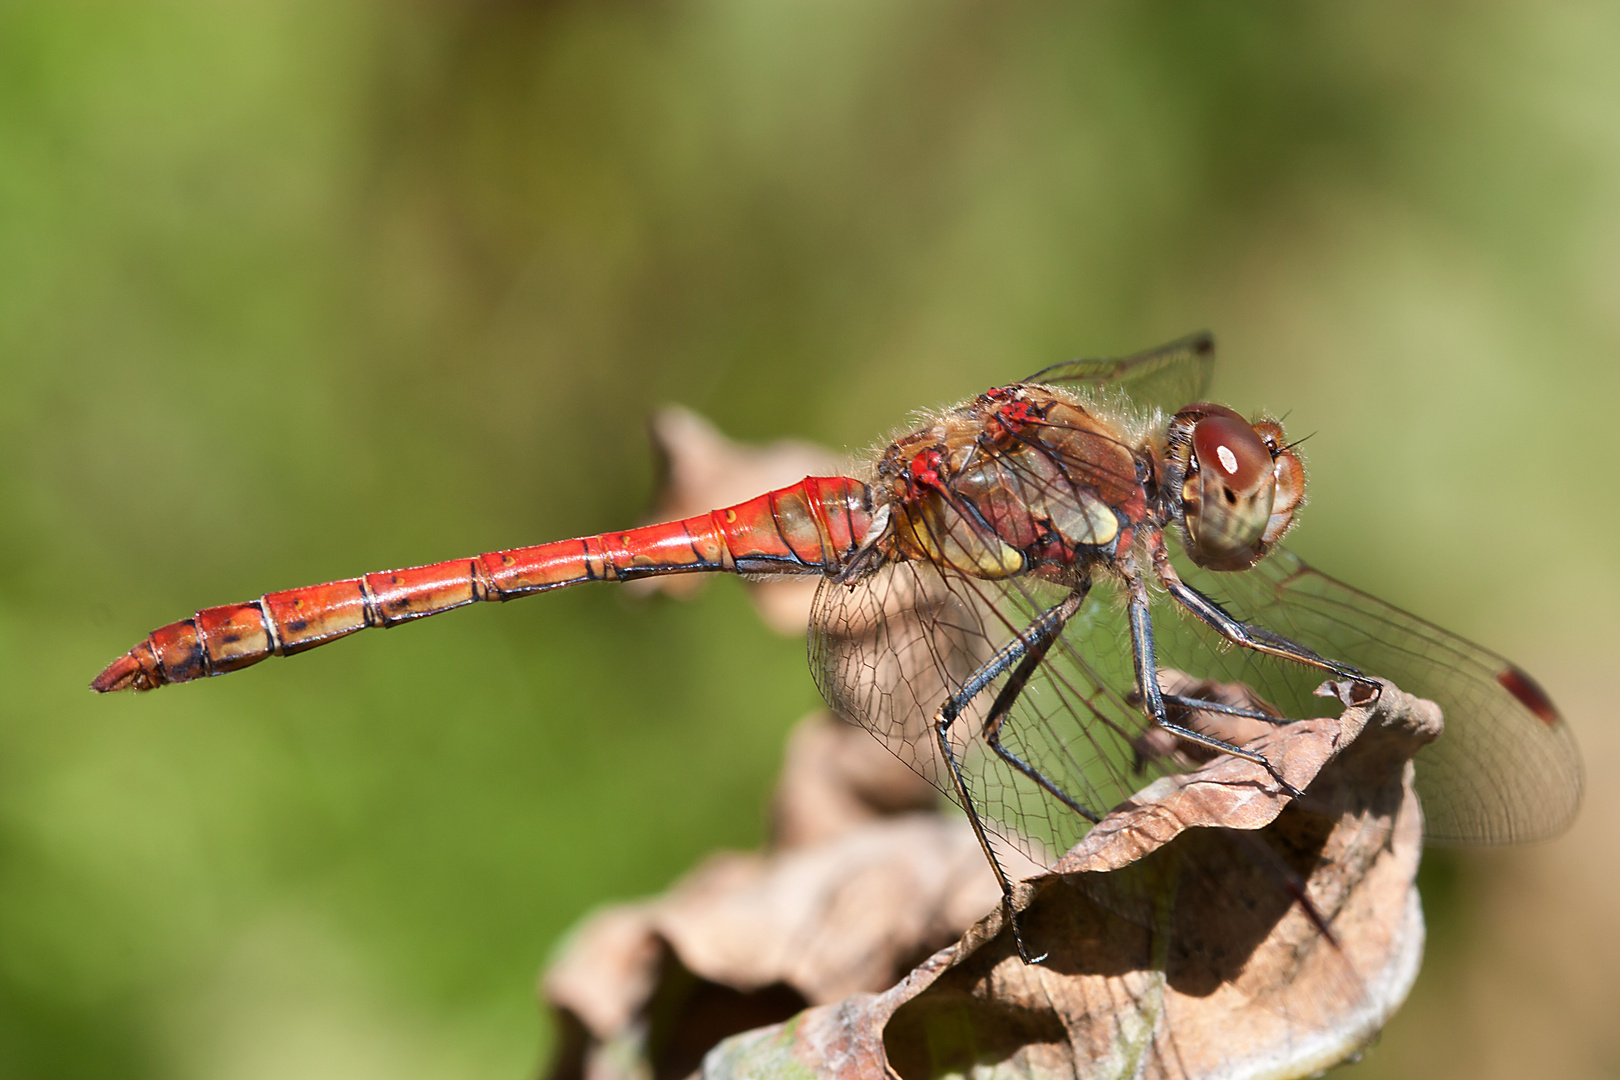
837, 777
852, 899
1177, 945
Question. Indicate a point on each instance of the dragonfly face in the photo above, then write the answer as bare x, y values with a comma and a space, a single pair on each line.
1232, 485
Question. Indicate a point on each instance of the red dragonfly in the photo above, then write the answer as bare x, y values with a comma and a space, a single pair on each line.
995, 604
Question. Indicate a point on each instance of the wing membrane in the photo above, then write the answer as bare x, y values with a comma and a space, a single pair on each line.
1167, 377
888, 650
1501, 773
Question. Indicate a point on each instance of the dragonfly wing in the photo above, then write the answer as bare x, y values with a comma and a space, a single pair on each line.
891, 648
1167, 377
1507, 768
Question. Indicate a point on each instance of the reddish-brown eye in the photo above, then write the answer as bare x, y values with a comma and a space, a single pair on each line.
1230, 449
1202, 409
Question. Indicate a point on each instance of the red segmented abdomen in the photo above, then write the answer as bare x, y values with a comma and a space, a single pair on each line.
811, 527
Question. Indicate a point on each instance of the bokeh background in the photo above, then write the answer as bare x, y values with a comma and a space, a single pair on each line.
293, 290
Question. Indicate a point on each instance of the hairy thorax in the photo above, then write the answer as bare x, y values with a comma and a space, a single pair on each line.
1022, 479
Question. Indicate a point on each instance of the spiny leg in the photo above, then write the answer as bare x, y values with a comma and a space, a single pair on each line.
1256, 638
1008, 696
1144, 657
1037, 636
1192, 704
1239, 632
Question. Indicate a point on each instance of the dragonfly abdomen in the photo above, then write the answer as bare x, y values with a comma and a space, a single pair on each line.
812, 527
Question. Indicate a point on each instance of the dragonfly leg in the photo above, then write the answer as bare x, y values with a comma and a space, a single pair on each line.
1025, 651
1203, 705
1153, 700
1239, 632
998, 715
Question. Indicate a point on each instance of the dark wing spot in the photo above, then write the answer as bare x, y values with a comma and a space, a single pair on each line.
1530, 694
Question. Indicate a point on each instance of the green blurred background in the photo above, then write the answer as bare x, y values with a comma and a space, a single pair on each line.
291, 291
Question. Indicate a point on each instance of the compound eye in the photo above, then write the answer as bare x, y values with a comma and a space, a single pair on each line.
1227, 500
1229, 449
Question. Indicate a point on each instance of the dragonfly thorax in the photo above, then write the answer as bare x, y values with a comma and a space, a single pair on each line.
1018, 480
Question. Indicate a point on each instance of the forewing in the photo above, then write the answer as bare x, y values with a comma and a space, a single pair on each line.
1167, 377
1507, 768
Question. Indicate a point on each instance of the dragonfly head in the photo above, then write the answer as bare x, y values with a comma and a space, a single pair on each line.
1236, 485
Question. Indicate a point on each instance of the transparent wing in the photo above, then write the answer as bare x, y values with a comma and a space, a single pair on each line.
887, 652
889, 649
1507, 768
1167, 377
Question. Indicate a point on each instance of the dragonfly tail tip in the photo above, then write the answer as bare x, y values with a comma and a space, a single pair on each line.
124, 673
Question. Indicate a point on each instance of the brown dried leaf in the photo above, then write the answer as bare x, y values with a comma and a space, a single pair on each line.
836, 777
869, 885
703, 470
1177, 946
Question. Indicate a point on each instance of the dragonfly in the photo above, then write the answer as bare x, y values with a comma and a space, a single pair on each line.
1027, 599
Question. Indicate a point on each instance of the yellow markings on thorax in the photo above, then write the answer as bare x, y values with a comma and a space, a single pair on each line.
937, 533
1084, 519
